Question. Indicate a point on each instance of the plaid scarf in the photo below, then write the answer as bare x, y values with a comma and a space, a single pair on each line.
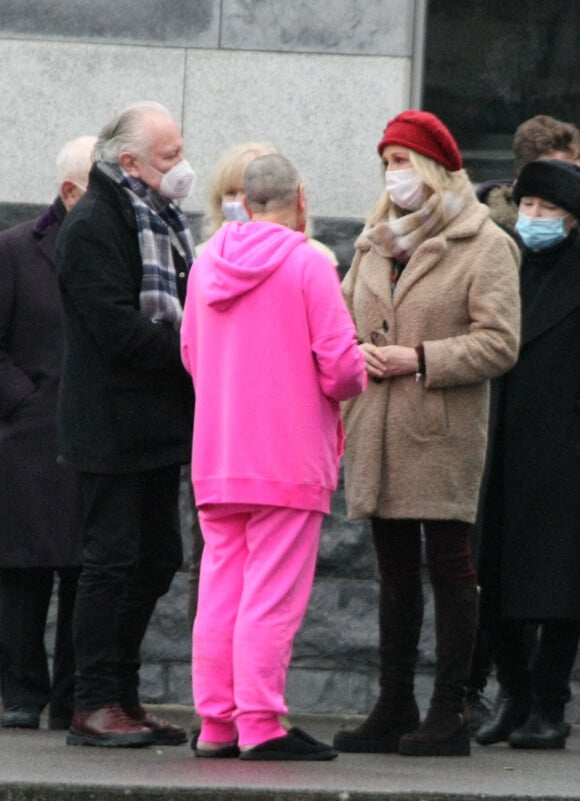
399, 237
161, 226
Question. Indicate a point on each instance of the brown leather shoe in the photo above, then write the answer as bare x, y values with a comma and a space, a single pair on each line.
108, 726
164, 732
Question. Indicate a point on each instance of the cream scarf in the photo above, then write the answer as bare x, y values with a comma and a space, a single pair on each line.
399, 237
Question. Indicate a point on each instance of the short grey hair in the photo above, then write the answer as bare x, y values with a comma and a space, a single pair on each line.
270, 183
125, 131
73, 161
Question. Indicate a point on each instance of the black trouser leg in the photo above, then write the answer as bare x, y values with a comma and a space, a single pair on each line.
130, 556
24, 601
552, 665
510, 654
160, 556
63, 661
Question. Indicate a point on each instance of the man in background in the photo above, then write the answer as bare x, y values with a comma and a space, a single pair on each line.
40, 521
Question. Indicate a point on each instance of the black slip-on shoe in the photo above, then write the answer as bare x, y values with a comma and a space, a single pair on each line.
295, 746
225, 752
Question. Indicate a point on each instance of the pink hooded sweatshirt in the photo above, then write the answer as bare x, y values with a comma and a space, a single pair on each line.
271, 348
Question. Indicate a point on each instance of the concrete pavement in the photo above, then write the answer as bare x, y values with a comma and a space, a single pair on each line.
39, 766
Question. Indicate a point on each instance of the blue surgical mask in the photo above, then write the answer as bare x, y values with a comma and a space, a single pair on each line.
234, 211
541, 232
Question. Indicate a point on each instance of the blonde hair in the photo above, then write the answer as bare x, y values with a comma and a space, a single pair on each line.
437, 178
227, 174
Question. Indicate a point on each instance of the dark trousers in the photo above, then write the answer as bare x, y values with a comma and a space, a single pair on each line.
447, 545
25, 681
132, 549
542, 666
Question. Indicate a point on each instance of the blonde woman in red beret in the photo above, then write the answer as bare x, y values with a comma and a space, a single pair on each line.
433, 290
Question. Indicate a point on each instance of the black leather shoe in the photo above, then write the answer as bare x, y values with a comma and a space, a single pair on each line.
510, 712
539, 732
20, 717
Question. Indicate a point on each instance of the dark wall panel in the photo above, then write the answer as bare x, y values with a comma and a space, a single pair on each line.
185, 23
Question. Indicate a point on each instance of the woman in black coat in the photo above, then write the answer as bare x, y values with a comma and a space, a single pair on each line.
530, 551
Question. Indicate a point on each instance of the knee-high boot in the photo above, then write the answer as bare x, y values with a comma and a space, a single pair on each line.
444, 731
395, 711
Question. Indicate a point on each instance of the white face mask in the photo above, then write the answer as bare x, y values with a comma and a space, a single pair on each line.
405, 188
234, 211
176, 183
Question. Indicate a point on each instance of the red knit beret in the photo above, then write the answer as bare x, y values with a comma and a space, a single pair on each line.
424, 133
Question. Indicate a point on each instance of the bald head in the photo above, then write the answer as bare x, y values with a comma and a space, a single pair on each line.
271, 184
73, 165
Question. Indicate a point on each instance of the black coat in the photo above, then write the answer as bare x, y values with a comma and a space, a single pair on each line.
530, 558
126, 402
39, 499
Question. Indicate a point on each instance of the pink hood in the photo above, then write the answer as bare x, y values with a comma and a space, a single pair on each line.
272, 350
253, 251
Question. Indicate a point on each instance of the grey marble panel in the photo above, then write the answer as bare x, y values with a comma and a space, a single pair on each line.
370, 27
52, 92
170, 22
325, 113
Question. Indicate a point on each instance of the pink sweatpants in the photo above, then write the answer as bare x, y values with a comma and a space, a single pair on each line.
256, 577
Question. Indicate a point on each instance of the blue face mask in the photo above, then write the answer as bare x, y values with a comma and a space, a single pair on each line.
541, 232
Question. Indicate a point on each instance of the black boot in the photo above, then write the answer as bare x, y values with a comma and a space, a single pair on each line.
396, 711
445, 731
550, 671
510, 650
510, 712
545, 728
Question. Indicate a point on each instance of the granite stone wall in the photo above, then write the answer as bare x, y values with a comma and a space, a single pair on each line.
319, 78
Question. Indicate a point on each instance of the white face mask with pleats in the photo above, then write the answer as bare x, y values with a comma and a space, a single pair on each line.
405, 188
177, 182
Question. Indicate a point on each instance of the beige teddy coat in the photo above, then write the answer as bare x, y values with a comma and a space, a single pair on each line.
416, 448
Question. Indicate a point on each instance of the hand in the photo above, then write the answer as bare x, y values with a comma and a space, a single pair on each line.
389, 360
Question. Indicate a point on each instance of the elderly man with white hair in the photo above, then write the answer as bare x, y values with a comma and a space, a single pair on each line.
40, 531
125, 410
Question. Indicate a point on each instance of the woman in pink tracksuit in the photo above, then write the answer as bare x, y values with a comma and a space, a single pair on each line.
272, 350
